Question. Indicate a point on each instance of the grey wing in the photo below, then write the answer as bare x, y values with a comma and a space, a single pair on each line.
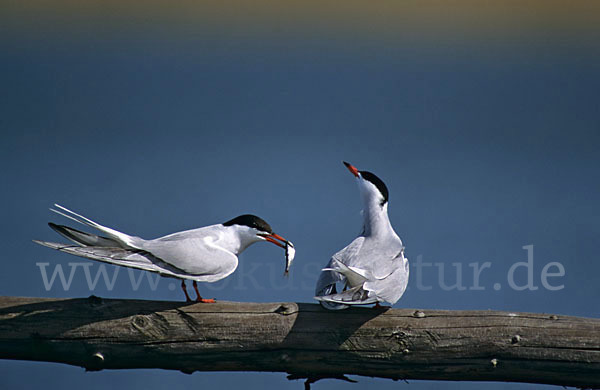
372, 290
346, 255
390, 288
117, 256
379, 258
328, 278
326, 284
195, 256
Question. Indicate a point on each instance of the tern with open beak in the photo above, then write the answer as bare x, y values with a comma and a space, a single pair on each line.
372, 268
206, 254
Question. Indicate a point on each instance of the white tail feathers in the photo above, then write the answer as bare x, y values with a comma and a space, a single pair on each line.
125, 239
354, 276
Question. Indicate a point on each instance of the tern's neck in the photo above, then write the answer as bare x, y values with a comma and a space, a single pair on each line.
236, 240
376, 221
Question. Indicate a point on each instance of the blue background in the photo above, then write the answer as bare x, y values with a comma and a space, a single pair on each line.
484, 126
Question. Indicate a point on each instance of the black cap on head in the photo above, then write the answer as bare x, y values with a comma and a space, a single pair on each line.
377, 183
251, 221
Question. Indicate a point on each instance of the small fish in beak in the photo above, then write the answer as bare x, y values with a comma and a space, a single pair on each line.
290, 252
281, 242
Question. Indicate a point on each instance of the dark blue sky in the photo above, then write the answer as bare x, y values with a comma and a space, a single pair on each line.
486, 145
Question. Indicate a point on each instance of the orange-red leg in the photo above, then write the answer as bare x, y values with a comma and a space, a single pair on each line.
187, 297
199, 298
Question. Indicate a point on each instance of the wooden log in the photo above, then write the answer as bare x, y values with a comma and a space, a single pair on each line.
303, 340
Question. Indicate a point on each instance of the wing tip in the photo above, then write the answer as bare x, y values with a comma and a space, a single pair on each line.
51, 245
330, 305
330, 299
53, 226
40, 242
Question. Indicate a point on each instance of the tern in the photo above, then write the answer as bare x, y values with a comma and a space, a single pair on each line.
372, 268
206, 254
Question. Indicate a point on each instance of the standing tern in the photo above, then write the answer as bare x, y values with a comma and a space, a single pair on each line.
206, 254
372, 267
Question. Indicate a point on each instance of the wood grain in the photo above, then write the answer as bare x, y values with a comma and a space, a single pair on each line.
303, 340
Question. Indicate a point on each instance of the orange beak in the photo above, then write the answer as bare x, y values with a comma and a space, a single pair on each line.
351, 168
273, 239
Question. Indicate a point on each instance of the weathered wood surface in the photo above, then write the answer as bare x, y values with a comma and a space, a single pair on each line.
303, 339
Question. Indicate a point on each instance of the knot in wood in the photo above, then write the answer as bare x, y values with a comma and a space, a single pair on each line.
282, 309
553, 317
405, 351
494, 362
515, 339
418, 314
152, 325
140, 322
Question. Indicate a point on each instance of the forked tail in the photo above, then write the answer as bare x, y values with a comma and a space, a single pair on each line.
123, 239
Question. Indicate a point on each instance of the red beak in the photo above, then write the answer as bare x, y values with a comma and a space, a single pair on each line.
273, 239
351, 168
